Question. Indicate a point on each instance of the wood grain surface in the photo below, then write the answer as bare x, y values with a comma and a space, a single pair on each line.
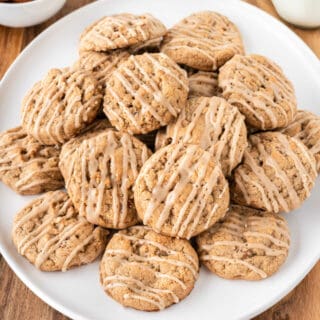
18, 302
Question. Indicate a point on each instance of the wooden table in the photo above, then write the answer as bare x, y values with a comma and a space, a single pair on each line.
18, 302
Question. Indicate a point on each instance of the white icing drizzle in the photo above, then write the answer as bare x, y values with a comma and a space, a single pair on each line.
92, 191
272, 196
243, 227
165, 195
130, 81
41, 207
121, 30
44, 98
215, 126
258, 103
194, 35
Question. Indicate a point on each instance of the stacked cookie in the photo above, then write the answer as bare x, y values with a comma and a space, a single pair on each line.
164, 137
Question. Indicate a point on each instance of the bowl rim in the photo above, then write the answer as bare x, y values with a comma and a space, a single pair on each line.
29, 3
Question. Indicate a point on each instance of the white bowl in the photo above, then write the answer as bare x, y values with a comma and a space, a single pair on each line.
28, 13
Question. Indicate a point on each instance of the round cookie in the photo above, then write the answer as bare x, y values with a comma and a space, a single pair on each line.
249, 244
26, 166
146, 92
61, 105
101, 64
148, 271
306, 127
204, 41
260, 89
66, 160
105, 167
277, 173
121, 31
214, 125
181, 191
52, 236
204, 84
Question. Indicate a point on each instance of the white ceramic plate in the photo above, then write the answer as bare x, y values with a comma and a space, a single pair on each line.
77, 293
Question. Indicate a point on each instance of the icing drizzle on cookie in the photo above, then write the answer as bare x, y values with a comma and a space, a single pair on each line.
257, 172
168, 189
214, 125
152, 293
249, 234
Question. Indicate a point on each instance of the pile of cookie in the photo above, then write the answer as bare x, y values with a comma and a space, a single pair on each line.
176, 138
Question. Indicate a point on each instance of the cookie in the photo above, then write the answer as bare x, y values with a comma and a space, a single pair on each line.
204, 40
212, 124
101, 64
61, 105
146, 92
68, 150
260, 89
249, 244
277, 173
52, 236
100, 183
204, 84
147, 271
26, 166
181, 191
121, 31
306, 127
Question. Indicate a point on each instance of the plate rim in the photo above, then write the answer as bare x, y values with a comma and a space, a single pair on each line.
303, 47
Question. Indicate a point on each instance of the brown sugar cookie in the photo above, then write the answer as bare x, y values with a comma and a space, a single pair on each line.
148, 271
306, 127
248, 244
146, 92
68, 149
261, 91
214, 125
52, 236
105, 167
204, 84
101, 64
204, 40
61, 105
26, 166
277, 173
121, 31
181, 191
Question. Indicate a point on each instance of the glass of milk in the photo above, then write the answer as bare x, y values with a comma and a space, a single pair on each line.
302, 13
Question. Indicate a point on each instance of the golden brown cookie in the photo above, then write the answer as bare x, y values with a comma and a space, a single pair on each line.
306, 127
52, 236
26, 166
147, 271
61, 105
204, 84
68, 149
146, 92
104, 168
248, 244
181, 191
204, 40
121, 31
101, 64
277, 173
260, 89
214, 125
